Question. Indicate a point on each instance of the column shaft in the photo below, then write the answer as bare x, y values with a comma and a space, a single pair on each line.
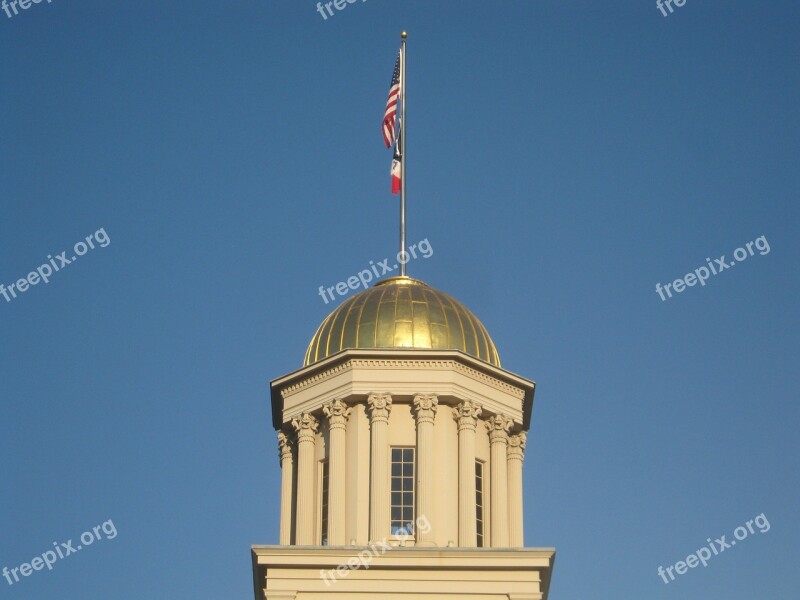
337, 413
306, 427
516, 451
425, 410
498, 438
287, 468
466, 414
379, 407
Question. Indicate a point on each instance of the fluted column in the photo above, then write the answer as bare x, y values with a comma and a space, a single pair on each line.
379, 407
466, 415
516, 452
498, 427
425, 412
306, 427
337, 413
287, 468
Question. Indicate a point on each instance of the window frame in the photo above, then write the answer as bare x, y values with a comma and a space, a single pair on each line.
406, 478
480, 503
324, 502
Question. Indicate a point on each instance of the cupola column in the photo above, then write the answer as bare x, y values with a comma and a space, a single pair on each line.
379, 407
306, 427
425, 411
516, 451
287, 474
466, 415
337, 413
498, 427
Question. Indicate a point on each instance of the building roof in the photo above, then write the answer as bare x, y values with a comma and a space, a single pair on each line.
401, 312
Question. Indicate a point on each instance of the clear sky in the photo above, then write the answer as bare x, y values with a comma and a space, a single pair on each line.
563, 159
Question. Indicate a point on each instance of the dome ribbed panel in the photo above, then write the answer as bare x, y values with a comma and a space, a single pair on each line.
401, 312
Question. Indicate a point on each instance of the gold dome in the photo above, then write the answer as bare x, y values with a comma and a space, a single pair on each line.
401, 312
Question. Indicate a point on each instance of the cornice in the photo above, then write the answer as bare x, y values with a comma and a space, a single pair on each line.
467, 367
406, 364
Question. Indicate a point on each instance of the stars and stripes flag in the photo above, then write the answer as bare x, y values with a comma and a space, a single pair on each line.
397, 168
390, 114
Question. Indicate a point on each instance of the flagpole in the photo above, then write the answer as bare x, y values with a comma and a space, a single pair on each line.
404, 164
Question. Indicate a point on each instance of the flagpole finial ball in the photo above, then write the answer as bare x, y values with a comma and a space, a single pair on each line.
404, 34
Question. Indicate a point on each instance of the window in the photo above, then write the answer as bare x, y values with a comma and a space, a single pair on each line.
402, 491
324, 520
479, 501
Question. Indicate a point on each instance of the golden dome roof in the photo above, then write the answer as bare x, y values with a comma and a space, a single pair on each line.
401, 312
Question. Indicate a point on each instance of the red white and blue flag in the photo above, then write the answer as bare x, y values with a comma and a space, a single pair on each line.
390, 114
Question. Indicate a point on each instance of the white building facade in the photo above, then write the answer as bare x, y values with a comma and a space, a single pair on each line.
402, 443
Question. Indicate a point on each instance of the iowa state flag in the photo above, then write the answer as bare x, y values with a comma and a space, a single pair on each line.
397, 168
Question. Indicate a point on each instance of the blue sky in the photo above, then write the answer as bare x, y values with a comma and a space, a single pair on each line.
563, 158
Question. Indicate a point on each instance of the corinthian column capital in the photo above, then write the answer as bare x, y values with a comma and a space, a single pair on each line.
425, 406
337, 412
516, 446
466, 415
306, 425
380, 405
498, 426
284, 447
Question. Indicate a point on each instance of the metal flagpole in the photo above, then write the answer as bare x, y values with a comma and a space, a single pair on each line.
403, 164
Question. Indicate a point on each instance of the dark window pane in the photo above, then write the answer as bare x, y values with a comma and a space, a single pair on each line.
397, 513
408, 499
396, 469
408, 469
396, 454
396, 498
408, 454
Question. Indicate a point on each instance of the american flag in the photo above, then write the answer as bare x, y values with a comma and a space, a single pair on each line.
390, 115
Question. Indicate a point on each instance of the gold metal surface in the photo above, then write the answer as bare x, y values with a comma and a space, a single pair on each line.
401, 312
